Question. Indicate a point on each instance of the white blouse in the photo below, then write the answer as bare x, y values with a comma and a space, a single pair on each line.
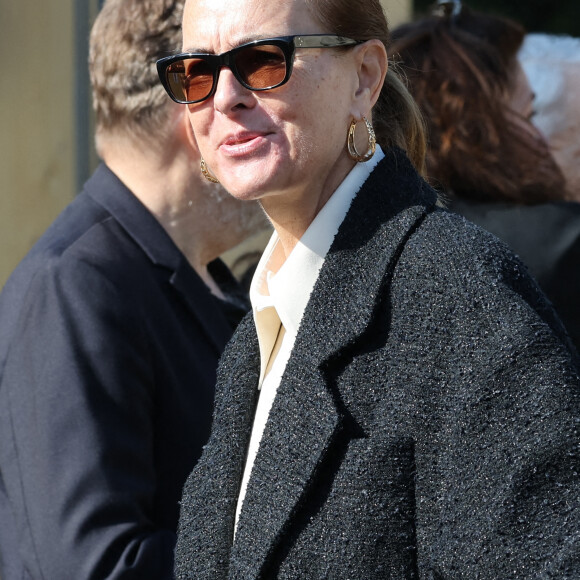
279, 300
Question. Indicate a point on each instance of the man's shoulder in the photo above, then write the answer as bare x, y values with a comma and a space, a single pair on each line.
85, 253
83, 231
85, 215
104, 225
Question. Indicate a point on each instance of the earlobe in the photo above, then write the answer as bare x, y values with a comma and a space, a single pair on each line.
372, 70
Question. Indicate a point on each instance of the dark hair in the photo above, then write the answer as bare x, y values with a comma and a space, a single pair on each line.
127, 38
460, 70
396, 117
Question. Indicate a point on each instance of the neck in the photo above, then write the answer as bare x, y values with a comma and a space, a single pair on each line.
292, 213
197, 215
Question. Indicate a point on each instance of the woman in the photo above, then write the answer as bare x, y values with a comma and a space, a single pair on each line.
401, 404
484, 152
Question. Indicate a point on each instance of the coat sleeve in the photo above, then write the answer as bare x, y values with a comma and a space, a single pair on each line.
498, 474
77, 428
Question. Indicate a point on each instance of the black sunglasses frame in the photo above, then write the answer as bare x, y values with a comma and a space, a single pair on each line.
288, 45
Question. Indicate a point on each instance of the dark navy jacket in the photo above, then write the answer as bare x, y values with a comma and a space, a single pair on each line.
108, 347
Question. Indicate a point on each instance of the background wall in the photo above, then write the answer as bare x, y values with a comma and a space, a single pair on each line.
397, 11
36, 124
39, 108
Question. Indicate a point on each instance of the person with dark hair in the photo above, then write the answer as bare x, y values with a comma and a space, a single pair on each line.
402, 402
111, 329
494, 166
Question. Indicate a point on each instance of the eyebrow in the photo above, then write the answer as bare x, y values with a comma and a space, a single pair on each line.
239, 42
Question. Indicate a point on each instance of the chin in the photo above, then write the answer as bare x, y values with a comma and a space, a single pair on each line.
243, 194
240, 188
250, 182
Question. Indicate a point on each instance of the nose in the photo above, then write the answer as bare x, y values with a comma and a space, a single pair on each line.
230, 94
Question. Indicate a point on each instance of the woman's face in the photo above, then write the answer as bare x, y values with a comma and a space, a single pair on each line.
286, 141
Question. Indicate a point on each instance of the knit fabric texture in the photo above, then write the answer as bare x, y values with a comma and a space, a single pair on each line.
426, 425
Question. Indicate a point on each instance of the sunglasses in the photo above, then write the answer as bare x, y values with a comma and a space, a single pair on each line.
259, 65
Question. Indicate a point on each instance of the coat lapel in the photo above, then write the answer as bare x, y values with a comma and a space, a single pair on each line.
309, 420
210, 494
300, 432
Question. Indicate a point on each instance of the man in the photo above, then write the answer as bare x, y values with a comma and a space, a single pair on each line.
111, 329
552, 64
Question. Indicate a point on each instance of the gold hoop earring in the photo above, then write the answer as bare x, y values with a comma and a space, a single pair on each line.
351, 146
206, 172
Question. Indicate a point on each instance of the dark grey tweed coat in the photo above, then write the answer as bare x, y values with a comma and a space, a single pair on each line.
426, 425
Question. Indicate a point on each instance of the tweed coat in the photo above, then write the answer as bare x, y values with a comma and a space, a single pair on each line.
426, 425
546, 237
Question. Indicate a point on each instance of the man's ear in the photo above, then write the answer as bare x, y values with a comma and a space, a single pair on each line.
372, 65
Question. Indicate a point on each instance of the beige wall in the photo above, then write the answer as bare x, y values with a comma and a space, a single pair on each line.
37, 116
397, 11
36, 121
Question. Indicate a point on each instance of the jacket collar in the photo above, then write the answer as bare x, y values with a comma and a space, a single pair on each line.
107, 190
308, 419
110, 192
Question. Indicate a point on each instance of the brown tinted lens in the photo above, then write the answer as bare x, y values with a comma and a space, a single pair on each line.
175, 73
261, 67
190, 79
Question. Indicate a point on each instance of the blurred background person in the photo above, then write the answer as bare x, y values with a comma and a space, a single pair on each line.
552, 65
493, 165
111, 329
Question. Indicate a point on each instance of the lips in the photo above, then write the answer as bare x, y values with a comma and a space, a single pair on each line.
242, 144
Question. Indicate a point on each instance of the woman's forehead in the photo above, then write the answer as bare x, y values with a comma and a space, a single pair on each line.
219, 25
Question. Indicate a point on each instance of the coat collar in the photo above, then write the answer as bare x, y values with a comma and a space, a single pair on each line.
381, 218
110, 192
308, 418
107, 190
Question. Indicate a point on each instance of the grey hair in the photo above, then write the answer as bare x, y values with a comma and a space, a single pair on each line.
128, 36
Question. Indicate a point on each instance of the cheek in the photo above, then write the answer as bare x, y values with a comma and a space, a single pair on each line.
312, 137
200, 122
567, 149
316, 114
